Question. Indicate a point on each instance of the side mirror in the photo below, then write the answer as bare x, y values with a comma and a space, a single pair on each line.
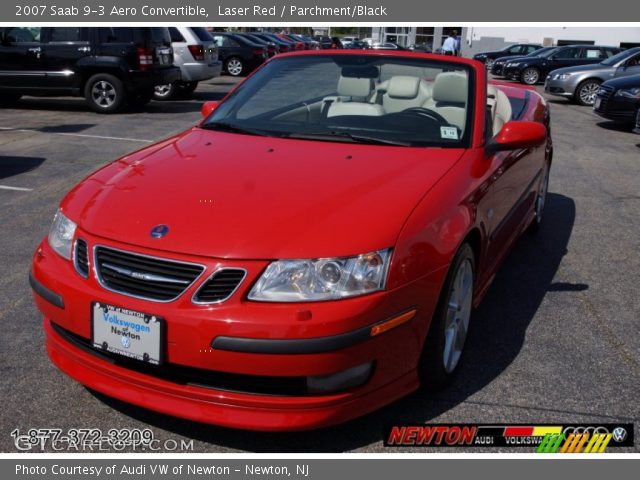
208, 108
515, 134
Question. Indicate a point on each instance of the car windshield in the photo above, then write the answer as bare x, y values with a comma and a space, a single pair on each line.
541, 53
353, 98
620, 57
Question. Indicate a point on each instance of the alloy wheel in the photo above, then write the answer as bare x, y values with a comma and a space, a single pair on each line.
588, 92
103, 94
458, 315
637, 127
234, 67
530, 76
163, 90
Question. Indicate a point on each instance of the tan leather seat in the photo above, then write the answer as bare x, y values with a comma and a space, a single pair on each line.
500, 108
402, 92
449, 98
352, 99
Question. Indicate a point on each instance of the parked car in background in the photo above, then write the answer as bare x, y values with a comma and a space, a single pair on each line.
299, 44
581, 83
328, 43
386, 46
272, 47
497, 68
346, 41
356, 224
519, 49
309, 43
239, 55
533, 70
619, 100
421, 47
108, 66
283, 46
196, 54
357, 45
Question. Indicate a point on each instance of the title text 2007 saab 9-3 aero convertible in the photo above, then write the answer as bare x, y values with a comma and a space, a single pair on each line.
310, 252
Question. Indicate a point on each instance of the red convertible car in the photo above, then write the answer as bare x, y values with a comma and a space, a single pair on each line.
311, 251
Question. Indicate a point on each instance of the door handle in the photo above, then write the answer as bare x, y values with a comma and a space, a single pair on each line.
84, 49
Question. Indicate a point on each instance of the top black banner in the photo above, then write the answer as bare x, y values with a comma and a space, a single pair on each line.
306, 11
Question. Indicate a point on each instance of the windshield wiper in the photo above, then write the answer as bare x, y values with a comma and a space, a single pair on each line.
232, 128
332, 135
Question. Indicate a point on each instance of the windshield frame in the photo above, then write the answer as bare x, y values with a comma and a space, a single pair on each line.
262, 76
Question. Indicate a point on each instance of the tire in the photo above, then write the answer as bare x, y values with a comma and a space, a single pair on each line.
586, 92
104, 93
165, 92
530, 76
442, 351
541, 200
636, 128
188, 87
489, 64
9, 99
234, 66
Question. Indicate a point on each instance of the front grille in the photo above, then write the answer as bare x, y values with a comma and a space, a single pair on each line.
604, 93
220, 286
181, 375
82, 258
142, 276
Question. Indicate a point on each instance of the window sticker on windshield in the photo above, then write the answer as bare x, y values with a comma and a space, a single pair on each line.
449, 133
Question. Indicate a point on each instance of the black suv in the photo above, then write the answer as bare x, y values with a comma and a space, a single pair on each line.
532, 70
108, 66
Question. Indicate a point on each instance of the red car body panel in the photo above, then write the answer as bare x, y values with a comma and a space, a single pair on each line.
422, 202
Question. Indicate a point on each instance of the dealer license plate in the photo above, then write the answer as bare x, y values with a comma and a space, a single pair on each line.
128, 333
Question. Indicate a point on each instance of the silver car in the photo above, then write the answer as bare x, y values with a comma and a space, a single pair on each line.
195, 52
581, 83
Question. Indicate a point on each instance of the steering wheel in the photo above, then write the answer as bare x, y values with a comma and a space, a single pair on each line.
426, 113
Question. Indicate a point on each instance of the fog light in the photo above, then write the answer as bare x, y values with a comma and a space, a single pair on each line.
344, 380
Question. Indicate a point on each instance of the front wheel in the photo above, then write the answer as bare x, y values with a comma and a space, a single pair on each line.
104, 93
530, 76
586, 92
234, 67
636, 129
445, 341
541, 200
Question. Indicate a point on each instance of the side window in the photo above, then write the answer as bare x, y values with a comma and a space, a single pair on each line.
610, 53
176, 36
67, 34
116, 34
219, 41
592, 53
531, 49
514, 49
568, 54
634, 61
23, 34
230, 42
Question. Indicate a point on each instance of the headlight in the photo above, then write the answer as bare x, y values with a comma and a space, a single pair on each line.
514, 64
561, 76
628, 93
322, 279
61, 235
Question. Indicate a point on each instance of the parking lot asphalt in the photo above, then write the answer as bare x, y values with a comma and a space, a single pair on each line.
556, 339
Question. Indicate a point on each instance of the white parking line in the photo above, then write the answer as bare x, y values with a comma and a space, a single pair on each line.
17, 189
102, 137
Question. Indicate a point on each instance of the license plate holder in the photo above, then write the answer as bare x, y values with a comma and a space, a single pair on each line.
128, 333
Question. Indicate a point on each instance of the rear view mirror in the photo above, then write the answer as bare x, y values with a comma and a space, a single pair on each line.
514, 135
208, 108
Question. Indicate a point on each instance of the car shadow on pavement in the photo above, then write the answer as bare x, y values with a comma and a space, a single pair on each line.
11, 166
495, 340
616, 126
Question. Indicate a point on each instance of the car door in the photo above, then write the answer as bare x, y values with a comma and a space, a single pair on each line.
21, 62
63, 50
591, 55
630, 67
566, 57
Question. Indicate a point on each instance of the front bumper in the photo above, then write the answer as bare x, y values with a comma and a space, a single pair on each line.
512, 73
619, 109
197, 72
190, 332
560, 88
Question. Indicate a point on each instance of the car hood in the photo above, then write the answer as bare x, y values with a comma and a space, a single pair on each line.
624, 82
239, 196
584, 68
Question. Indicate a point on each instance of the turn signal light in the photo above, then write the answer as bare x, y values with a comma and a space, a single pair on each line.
392, 323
